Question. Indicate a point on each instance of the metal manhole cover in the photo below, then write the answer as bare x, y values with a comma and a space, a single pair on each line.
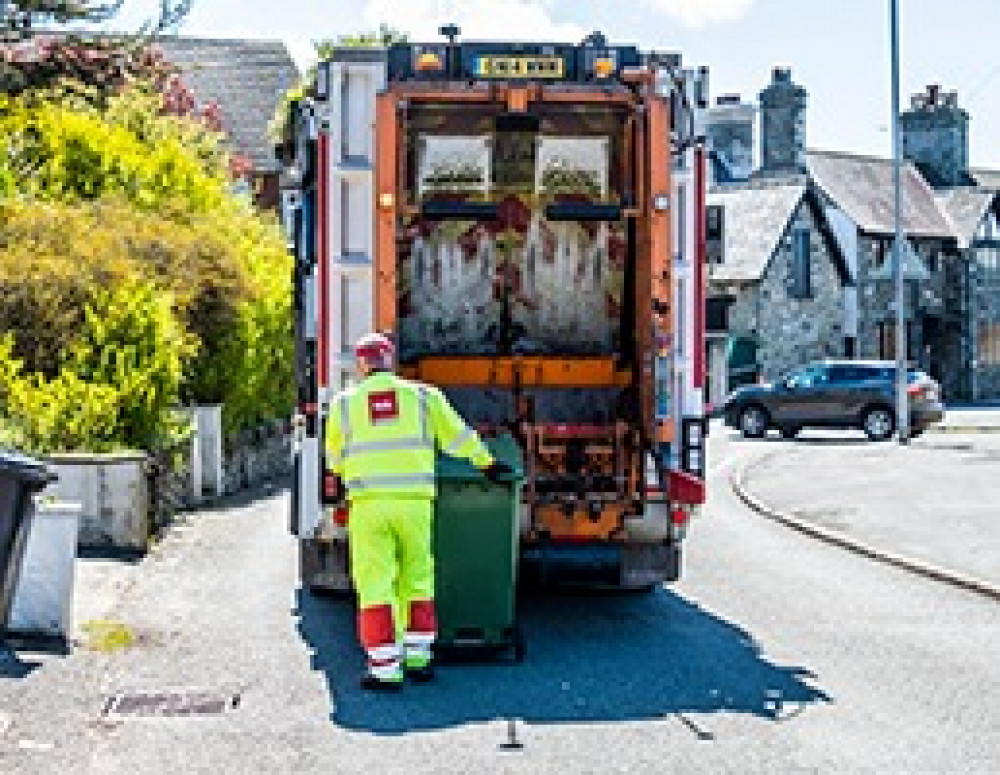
175, 703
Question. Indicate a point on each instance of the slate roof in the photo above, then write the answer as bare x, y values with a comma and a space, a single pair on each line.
755, 218
965, 208
987, 178
862, 187
247, 79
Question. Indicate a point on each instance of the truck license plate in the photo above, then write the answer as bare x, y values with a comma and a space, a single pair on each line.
520, 67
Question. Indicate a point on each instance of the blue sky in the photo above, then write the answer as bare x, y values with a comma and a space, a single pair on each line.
837, 49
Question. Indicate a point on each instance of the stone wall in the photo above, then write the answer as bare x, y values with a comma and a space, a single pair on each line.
942, 297
256, 456
791, 331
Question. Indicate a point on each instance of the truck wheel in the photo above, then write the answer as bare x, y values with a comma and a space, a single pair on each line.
753, 422
878, 423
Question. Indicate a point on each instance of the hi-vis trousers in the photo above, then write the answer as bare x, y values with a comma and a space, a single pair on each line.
393, 572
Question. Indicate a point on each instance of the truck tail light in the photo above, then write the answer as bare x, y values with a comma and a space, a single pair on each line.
332, 491
916, 391
680, 516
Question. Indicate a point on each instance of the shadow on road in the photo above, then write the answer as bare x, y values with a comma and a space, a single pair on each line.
590, 658
841, 439
11, 664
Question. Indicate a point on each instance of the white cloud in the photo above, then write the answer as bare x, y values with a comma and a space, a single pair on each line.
695, 13
483, 19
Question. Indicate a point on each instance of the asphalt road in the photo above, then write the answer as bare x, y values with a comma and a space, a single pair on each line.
934, 500
774, 654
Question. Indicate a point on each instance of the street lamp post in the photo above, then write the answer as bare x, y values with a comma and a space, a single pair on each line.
902, 407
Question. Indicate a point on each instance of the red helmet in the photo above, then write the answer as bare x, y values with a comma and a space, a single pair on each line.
376, 350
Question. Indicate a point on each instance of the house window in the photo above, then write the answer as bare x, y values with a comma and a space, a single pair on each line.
988, 344
714, 234
801, 269
989, 264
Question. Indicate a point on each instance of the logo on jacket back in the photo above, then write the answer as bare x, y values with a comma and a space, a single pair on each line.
383, 407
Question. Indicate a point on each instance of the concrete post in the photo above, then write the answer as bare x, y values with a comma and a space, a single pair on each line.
209, 433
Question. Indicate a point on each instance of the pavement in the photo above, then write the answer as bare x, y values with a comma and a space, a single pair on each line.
969, 419
933, 501
775, 653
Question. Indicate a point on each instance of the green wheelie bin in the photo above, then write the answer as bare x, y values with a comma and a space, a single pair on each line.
476, 538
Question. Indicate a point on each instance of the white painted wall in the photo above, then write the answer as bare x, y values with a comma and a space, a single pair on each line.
113, 493
43, 598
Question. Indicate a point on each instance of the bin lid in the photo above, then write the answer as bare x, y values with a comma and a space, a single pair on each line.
503, 448
31, 472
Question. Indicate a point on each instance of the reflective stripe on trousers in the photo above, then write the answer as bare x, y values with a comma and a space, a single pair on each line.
383, 662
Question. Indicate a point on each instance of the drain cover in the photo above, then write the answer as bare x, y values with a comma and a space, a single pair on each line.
176, 703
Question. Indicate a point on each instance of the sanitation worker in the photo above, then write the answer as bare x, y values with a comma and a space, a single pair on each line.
381, 437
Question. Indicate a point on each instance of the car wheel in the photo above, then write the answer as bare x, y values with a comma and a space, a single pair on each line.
753, 422
878, 423
790, 432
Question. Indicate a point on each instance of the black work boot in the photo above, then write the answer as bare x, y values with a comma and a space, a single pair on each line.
373, 684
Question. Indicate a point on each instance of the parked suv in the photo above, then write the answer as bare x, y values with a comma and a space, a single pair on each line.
834, 394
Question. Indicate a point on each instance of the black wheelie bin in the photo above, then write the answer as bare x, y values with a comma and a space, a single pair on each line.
20, 478
476, 541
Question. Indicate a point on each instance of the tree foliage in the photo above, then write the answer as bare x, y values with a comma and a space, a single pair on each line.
131, 278
22, 16
36, 54
158, 310
384, 37
59, 151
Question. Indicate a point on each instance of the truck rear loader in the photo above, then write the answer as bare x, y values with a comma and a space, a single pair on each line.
526, 221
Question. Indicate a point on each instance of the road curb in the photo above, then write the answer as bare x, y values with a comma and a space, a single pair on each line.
836, 538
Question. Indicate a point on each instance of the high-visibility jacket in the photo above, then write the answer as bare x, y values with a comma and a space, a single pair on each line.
381, 437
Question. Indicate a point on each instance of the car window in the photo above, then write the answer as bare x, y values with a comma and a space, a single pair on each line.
860, 373
841, 374
888, 373
810, 376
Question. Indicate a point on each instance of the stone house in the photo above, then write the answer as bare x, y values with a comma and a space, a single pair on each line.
247, 79
778, 281
857, 195
975, 217
950, 258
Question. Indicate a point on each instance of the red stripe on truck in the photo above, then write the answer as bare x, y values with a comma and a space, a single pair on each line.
322, 262
699, 268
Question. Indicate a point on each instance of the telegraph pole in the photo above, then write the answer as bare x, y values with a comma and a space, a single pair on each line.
902, 407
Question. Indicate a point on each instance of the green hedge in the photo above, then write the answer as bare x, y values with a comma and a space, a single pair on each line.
131, 279
145, 313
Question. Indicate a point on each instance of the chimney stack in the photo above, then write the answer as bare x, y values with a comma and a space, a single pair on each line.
783, 125
731, 138
935, 135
